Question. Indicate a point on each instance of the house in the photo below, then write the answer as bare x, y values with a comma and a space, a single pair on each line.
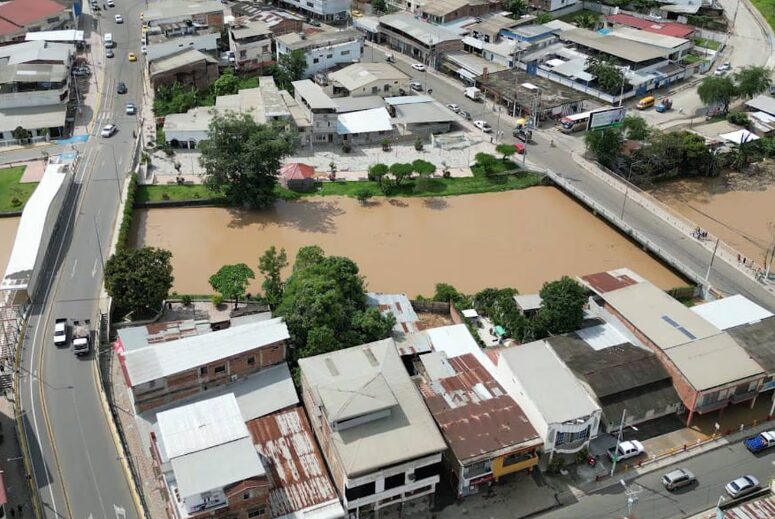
381, 444
251, 42
445, 11
627, 381
266, 104
162, 373
490, 28
710, 370
563, 412
420, 40
279, 22
420, 115
674, 29
323, 50
528, 304
487, 432
297, 176
18, 17
480, 59
365, 79
205, 458
189, 67
325, 10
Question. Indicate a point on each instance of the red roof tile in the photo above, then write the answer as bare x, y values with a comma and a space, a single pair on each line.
297, 171
23, 12
7, 27
675, 29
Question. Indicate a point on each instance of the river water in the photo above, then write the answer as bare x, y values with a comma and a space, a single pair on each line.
7, 236
514, 239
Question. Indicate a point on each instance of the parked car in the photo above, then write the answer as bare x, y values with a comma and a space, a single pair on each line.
742, 486
418, 66
483, 125
109, 53
465, 115
760, 442
356, 13
131, 109
416, 86
402, 91
677, 479
143, 50
81, 71
131, 56
111, 3
108, 130
626, 450
455, 108
61, 331
119, 18
121, 88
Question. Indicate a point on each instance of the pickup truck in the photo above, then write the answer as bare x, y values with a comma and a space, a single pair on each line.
626, 450
760, 442
81, 337
61, 330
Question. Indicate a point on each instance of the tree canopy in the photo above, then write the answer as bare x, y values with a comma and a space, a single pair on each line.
605, 144
636, 127
752, 81
270, 264
226, 84
562, 306
715, 90
507, 150
231, 281
517, 8
608, 77
324, 305
241, 159
290, 68
139, 279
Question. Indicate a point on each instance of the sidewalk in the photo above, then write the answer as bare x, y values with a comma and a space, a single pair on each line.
14, 473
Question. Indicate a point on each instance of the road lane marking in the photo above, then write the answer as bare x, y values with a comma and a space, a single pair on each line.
120, 512
72, 273
94, 268
88, 455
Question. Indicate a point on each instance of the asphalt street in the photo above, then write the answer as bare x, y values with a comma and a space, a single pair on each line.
77, 466
683, 248
713, 470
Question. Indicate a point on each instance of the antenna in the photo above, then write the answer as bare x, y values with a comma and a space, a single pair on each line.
632, 496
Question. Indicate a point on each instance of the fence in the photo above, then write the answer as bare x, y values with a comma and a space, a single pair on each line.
17, 142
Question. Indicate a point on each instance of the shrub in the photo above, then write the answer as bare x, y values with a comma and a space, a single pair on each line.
126, 218
186, 300
418, 144
738, 118
165, 196
363, 195
556, 465
16, 202
346, 148
385, 145
216, 300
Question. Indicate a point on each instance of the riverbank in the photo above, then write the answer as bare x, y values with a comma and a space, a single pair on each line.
200, 195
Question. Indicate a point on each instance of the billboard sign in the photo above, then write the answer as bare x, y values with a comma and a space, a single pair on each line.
607, 118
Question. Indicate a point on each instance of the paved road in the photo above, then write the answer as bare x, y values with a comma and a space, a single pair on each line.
684, 248
76, 462
713, 470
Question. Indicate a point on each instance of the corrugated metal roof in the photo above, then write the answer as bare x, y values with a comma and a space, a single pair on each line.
314, 96
399, 306
24, 12
297, 474
161, 360
763, 508
731, 311
424, 32
364, 121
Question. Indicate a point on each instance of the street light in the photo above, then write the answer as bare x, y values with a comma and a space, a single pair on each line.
627, 186
615, 457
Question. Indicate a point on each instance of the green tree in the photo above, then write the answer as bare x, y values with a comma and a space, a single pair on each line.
324, 305
486, 163
231, 281
752, 81
608, 77
715, 90
377, 173
290, 68
673, 155
446, 293
270, 265
241, 159
174, 99
543, 18
423, 167
227, 84
517, 8
562, 306
400, 172
139, 279
363, 195
605, 144
507, 150
586, 20
379, 6
636, 127
21, 134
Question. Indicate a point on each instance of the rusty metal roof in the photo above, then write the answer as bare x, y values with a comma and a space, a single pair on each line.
474, 412
757, 509
603, 282
297, 475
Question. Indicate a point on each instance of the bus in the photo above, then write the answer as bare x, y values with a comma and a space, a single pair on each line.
576, 122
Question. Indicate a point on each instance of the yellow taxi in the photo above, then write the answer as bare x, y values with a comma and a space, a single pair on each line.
356, 13
131, 56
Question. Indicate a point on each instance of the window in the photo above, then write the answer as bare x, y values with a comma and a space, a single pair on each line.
251, 360
427, 471
220, 369
360, 491
257, 512
247, 495
344, 53
310, 4
265, 48
243, 54
53, 20
329, 56
315, 60
203, 370
395, 481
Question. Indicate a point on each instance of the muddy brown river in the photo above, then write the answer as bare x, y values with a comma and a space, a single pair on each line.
515, 239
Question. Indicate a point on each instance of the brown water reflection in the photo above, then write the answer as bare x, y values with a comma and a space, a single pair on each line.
517, 238
7, 236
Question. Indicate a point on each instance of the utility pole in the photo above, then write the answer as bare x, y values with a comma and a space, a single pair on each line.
707, 274
618, 441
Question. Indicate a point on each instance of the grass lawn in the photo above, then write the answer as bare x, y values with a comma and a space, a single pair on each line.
767, 8
175, 192
14, 195
708, 44
688, 59
499, 166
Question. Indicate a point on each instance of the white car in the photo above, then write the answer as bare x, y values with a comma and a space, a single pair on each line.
416, 86
111, 3
144, 49
131, 109
723, 68
119, 18
483, 125
108, 130
742, 486
455, 108
626, 450
418, 66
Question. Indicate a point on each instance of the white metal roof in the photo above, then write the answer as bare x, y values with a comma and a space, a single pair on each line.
548, 383
422, 31
601, 336
659, 40
470, 313
739, 136
406, 100
315, 97
194, 427
731, 311
64, 35
528, 301
161, 360
365, 121
763, 103
28, 244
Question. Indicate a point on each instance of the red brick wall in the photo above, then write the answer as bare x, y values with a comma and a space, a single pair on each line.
322, 433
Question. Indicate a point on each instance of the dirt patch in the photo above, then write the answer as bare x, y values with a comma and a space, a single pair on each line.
429, 320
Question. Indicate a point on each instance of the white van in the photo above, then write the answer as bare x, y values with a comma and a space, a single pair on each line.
108, 39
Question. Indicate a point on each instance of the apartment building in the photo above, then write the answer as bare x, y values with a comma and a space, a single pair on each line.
18, 17
207, 464
323, 50
251, 42
160, 373
381, 443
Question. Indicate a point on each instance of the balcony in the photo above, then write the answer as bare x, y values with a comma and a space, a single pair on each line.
572, 446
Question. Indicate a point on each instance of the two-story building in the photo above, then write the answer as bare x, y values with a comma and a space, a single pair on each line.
425, 42
323, 50
381, 443
18, 17
161, 373
565, 415
710, 370
279, 22
251, 42
208, 466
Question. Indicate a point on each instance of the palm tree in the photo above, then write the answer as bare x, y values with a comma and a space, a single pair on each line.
586, 20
